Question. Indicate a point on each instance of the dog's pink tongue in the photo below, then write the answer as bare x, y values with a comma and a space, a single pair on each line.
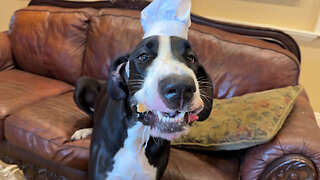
192, 117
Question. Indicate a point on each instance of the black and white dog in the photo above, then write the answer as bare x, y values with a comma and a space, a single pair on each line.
161, 74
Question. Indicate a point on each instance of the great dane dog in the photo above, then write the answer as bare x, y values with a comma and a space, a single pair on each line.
151, 97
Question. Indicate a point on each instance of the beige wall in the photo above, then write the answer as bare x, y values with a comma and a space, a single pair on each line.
296, 15
293, 14
310, 71
7, 8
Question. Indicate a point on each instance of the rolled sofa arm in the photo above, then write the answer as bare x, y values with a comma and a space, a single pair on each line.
6, 60
293, 154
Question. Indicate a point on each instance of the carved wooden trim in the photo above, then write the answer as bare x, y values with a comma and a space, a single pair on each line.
290, 167
123, 4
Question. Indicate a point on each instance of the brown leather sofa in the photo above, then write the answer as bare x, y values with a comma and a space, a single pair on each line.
50, 45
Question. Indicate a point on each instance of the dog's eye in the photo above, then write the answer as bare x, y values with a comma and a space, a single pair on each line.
143, 57
192, 59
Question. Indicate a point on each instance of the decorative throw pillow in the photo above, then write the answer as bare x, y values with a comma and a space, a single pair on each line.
241, 122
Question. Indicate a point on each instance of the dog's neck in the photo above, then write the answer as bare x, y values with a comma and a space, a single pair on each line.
132, 161
138, 136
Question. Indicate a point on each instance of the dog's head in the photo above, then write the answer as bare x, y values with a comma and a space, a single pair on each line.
162, 74
165, 77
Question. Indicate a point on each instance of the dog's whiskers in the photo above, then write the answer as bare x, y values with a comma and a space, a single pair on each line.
205, 99
205, 96
204, 87
138, 75
134, 83
202, 77
202, 92
202, 82
139, 80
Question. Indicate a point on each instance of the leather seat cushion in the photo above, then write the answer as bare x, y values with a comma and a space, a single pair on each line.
19, 89
192, 165
45, 129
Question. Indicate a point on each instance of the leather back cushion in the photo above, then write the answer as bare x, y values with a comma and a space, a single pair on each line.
236, 64
68, 43
113, 33
239, 65
50, 41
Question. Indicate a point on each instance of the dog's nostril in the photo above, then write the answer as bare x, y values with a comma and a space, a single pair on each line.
189, 90
172, 91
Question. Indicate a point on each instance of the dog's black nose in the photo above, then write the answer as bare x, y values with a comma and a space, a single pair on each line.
175, 91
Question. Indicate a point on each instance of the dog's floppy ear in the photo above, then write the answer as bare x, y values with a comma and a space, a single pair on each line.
85, 93
117, 80
206, 91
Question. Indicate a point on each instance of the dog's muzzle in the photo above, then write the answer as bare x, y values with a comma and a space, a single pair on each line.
166, 122
177, 93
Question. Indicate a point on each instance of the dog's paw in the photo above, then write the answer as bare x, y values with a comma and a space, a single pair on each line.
81, 134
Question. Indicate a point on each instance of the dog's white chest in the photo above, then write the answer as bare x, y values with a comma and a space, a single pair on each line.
130, 162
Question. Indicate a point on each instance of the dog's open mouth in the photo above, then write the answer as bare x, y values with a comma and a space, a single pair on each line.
164, 122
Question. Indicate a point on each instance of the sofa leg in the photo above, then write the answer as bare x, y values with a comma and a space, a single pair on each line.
291, 167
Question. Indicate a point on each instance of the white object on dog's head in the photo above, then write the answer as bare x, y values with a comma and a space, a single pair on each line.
166, 17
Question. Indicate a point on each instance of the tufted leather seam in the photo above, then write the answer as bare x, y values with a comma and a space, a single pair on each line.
83, 60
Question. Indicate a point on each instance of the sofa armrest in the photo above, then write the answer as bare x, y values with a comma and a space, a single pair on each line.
6, 60
295, 151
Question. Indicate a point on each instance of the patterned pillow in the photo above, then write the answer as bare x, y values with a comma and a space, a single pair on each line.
241, 122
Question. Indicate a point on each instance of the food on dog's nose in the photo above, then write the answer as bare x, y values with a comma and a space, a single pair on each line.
141, 108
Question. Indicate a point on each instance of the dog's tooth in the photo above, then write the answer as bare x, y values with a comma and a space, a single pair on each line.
159, 115
177, 119
181, 114
180, 118
163, 119
167, 119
